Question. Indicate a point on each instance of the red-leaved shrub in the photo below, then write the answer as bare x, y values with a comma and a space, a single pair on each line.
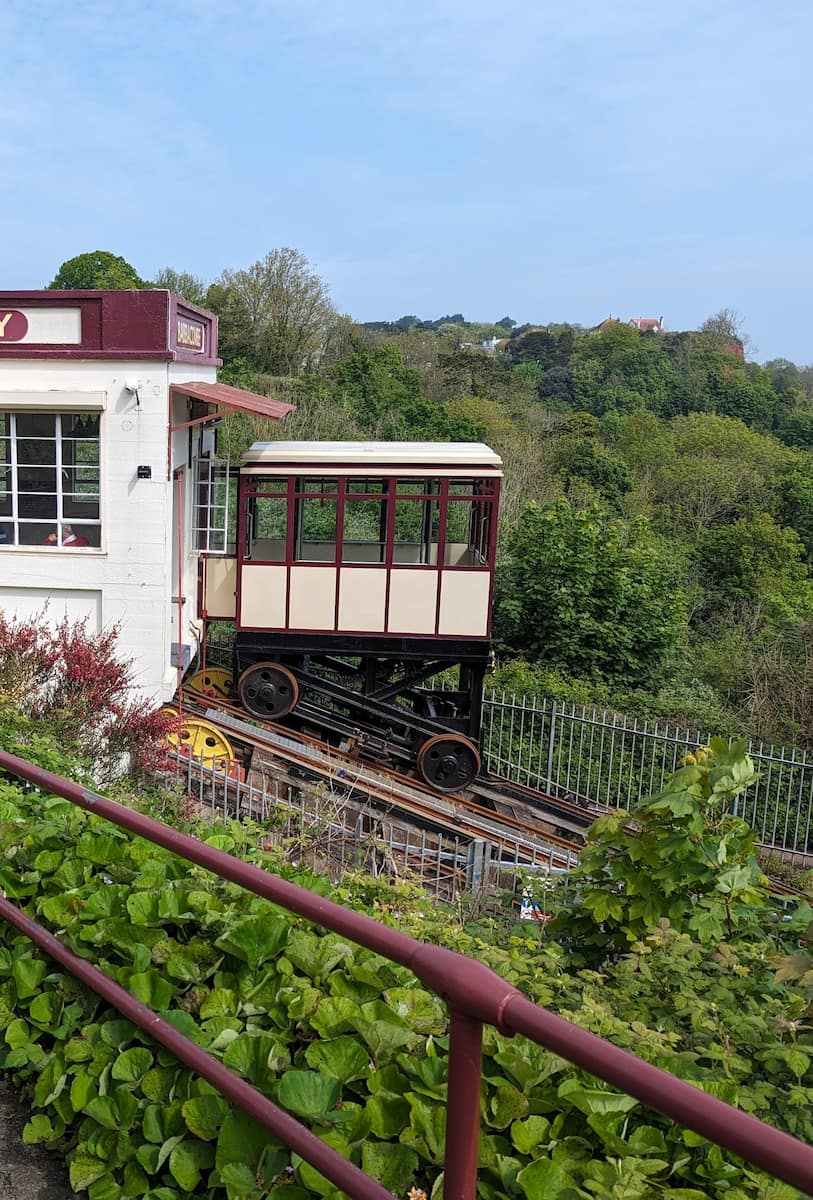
70, 680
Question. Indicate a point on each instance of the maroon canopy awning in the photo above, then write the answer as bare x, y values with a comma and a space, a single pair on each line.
233, 398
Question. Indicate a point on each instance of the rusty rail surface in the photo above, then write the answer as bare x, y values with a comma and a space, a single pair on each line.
474, 995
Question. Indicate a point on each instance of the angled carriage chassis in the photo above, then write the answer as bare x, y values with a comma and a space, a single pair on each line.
374, 693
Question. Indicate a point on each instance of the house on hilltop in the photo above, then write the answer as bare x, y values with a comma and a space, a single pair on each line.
647, 324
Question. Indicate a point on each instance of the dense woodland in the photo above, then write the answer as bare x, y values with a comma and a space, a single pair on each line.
657, 524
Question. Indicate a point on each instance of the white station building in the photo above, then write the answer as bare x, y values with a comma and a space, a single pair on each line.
108, 403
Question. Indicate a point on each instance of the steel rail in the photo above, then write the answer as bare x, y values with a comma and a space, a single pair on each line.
403, 790
474, 995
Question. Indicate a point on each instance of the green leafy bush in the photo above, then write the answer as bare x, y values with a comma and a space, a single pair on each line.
350, 1043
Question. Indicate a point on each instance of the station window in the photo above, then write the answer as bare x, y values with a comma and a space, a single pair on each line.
49, 479
214, 504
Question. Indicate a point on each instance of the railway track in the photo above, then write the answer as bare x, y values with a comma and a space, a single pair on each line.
516, 819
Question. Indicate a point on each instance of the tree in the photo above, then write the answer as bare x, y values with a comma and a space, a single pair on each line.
618, 369
98, 270
191, 287
386, 398
279, 307
590, 594
726, 326
754, 573
699, 470
505, 323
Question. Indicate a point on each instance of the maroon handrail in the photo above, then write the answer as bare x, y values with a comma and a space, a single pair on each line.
475, 995
339, 1170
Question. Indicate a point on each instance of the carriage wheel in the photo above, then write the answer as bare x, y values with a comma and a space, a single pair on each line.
268, 690
448, 762
214, 681
202, 741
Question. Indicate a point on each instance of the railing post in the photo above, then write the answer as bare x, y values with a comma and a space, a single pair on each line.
477, 863
551, 738
463, 1108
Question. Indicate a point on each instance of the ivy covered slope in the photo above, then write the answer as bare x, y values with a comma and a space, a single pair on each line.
358, 1049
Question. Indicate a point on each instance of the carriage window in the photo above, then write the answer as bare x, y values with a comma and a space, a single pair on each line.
49, 479
361, 486
468, 523
416, 531
364, 534
315, 520
267, 528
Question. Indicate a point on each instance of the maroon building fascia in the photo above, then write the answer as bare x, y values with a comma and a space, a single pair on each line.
148, 324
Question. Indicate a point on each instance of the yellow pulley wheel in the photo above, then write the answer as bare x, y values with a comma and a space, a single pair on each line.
214, 681
202, 740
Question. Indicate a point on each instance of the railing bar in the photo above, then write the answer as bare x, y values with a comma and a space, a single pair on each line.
776, 1152
333, 1165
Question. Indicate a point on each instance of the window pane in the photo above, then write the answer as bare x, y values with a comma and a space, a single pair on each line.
37, 479
80, 425
36, 507
270, 525
370, 487
80, 506
37, 453
316, 530
416, 531
34, 534
458, 532
417, 487
461, 487
36, 425
365, 530
82, 453
317, 485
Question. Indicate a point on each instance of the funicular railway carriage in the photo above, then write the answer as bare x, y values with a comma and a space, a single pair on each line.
361, 572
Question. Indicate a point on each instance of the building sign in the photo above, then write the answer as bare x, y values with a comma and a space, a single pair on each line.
41, 326
190, 335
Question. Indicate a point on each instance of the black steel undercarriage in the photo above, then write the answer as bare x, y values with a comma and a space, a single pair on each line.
375, 694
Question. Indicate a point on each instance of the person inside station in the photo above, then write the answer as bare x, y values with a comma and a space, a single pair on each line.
69, 538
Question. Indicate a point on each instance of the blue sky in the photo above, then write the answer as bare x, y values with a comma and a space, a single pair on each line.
548, 162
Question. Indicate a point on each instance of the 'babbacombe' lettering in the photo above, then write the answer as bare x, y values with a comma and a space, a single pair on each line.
189, 334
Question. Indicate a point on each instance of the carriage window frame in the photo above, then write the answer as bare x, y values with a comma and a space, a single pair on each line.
256, 492
344, 494
360, 495
312, 493
70, 471
480, 494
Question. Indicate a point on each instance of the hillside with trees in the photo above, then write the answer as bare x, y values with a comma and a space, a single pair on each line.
657, 521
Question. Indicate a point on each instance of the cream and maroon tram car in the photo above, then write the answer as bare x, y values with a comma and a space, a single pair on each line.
363, 572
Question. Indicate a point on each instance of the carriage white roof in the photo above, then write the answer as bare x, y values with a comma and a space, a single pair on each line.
336, 455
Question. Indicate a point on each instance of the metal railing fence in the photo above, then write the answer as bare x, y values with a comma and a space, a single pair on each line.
336, 831
605, 759
610, 760
474, 995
